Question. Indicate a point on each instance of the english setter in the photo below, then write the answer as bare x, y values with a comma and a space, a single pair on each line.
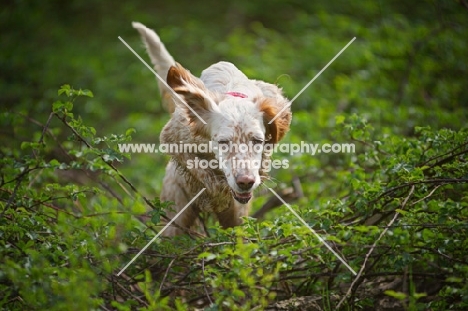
237, 111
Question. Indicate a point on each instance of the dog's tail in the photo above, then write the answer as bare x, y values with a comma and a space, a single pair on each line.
160, 58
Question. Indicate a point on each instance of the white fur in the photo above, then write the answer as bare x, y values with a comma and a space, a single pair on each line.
229, 118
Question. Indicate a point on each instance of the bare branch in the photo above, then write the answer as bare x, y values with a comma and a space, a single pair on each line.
356, 279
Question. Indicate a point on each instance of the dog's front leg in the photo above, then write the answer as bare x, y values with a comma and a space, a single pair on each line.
231, 217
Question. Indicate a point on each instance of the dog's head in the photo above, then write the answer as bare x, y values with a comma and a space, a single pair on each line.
237, 126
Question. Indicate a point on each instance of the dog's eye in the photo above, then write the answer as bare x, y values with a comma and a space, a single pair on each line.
257, 141
223, 142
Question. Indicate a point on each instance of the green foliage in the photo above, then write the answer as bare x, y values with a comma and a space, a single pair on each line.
58, 236
74, 210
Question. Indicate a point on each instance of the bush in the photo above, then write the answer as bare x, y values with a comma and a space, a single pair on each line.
75, 210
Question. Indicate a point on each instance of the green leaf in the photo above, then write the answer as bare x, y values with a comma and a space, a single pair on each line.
155, 216
394, 294
419, 295
86, 93
25, 145
130, 131
111, 155
64, 89
54, 163
29, 144
340, 119
68, 106
57, 106
207, 256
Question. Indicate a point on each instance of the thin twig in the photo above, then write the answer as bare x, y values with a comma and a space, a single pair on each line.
450, 152
358, 276
19, 180
46, 127
46, 130
167, 271
429, 195
112, 166
428, 181
204, 282
129, 293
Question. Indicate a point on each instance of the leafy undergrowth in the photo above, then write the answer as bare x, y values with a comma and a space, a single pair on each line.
74, 210
71, 220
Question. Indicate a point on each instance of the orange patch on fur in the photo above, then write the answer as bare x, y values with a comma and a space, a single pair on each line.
280, 126
193, 92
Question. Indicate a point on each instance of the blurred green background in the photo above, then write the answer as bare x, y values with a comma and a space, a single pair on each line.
406, 68
399, 92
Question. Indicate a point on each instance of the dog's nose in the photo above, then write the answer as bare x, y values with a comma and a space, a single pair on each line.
245, 182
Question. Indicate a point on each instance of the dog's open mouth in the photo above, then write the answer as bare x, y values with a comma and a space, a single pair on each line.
242, 198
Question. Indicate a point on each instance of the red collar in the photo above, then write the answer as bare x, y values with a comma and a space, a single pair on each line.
237, 94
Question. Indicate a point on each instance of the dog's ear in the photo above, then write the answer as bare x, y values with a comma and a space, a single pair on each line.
197, 100
280, 126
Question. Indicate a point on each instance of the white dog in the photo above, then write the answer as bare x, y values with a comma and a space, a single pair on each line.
237, 112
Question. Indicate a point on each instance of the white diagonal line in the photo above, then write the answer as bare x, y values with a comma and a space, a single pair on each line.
160, 232
161, 79
310, 82
313, 231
